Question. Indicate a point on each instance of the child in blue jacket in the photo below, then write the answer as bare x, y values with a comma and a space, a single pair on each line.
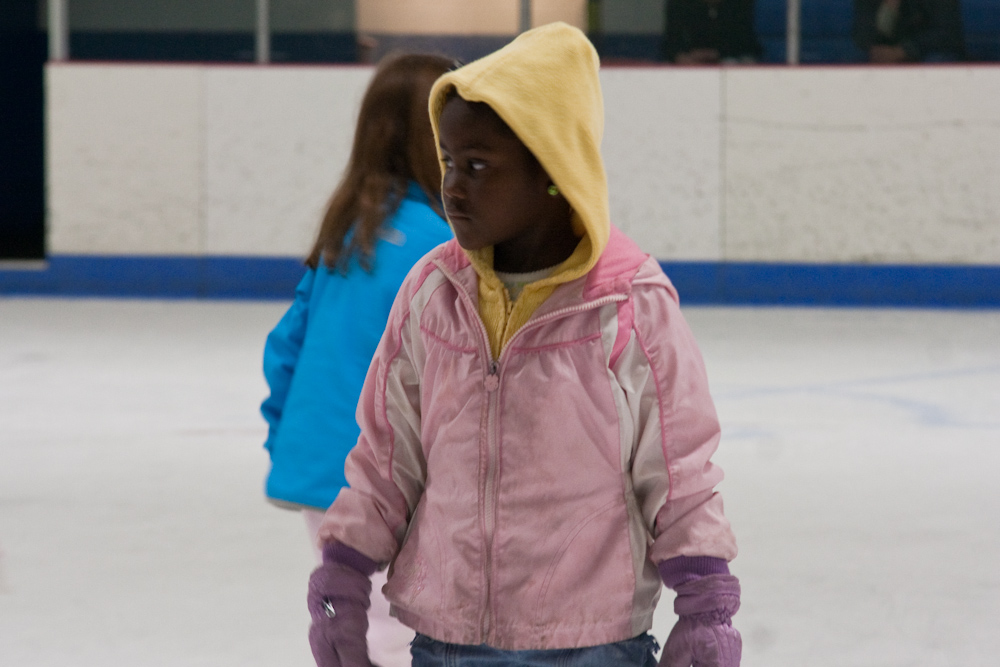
384, 216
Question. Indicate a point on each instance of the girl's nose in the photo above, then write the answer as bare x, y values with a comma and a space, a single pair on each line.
451, 185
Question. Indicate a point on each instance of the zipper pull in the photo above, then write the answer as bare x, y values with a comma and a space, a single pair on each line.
493, 379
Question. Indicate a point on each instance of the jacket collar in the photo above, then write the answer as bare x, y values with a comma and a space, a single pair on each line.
611, 276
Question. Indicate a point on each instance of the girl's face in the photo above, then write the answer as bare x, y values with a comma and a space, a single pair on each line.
494, 191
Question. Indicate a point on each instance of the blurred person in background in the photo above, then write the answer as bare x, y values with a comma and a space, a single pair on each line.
709, 32
900, 31
384, 215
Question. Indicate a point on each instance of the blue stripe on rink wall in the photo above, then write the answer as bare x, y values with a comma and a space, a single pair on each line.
879, 285
156, 277
699, 283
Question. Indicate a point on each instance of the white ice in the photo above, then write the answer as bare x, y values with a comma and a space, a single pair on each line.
862, 452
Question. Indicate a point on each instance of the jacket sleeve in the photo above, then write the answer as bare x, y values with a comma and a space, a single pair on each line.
676, 433
281, 354
386, 469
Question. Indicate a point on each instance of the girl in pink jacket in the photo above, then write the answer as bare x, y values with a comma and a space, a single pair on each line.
536, 426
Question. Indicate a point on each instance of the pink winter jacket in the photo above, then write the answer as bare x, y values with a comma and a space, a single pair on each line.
524, 502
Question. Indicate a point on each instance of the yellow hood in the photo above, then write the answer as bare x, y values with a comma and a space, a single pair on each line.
545, 86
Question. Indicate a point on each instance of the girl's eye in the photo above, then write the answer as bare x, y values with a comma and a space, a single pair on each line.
446, 161
477, 165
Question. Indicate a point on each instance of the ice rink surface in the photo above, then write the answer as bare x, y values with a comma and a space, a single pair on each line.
862, 452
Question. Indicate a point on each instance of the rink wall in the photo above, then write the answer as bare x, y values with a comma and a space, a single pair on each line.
857, 185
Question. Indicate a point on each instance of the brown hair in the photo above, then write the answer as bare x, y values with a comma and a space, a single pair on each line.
393, 145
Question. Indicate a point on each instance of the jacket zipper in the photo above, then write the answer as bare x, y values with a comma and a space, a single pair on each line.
490, 489
491, 369
492, 385
569, 310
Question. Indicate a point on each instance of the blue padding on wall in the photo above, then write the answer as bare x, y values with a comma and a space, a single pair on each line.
769, 18
157, 277
737, 283
699, 283
981, 19
818, 18
827, 18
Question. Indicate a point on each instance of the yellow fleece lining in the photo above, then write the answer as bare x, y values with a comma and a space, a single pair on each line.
502, 318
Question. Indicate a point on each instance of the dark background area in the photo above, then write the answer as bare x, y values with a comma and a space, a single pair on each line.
23, 51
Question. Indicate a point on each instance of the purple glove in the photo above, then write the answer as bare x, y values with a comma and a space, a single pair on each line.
704, 635
339, 597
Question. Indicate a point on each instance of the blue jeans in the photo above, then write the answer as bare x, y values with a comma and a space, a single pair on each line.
635, 652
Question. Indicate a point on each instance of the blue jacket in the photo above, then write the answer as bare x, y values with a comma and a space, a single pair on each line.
316, 358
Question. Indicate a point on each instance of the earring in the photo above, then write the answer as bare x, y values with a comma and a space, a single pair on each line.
553, 190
